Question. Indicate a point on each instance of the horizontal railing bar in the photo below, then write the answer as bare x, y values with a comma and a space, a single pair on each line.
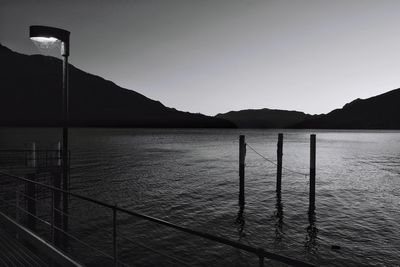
49, 224
40, 244
29, 150
38, 156
86, 244
36, 217
69, 235
40, 199
98, 228
59, 229
25, 211
257, 251
222, 240
123, 237
60, 190
191, 231
27, 257
156, 251
41, 157
31, 198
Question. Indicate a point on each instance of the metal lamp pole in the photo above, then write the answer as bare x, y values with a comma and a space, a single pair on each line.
47, 34
65, 150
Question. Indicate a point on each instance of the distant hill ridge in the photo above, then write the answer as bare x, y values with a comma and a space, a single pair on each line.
31, 93
264, 118
378, 112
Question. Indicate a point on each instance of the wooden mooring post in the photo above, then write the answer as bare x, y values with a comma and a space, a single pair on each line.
242, 156
312, 171
279, 155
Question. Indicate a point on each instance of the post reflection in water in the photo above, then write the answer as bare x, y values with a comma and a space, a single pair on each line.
311, 244
279, 218
240, 222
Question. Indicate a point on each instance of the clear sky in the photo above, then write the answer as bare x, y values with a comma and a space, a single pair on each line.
213, 56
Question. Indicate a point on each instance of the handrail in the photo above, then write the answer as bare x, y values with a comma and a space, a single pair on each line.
59, 229
27, 150
260, 252
40, 244
76, 218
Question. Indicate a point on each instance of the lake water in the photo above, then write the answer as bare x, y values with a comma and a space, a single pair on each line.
190, 177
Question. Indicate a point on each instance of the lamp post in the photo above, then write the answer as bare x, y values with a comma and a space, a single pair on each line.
45, 34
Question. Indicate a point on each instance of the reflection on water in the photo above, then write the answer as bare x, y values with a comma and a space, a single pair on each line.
240, 222
278, 218
311, 243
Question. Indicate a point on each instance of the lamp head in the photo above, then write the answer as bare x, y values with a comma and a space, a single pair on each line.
45, 34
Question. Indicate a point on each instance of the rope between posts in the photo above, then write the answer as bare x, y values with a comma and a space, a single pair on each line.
274, 163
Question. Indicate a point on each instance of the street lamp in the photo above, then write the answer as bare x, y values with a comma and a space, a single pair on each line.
47, 35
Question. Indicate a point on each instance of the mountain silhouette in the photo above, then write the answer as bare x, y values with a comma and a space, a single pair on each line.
31, 92
264, 118
31, 95
378, 112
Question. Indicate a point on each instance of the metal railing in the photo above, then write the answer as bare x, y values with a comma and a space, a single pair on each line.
258, 252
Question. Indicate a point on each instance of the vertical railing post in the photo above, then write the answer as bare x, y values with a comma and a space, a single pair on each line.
58, 155
30, 191
312, 171
17, 217
30, 156
30, 188
56, 175
65, 187
115, 248
53, 239
279, 153
17, 202
33, 156
242, 156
